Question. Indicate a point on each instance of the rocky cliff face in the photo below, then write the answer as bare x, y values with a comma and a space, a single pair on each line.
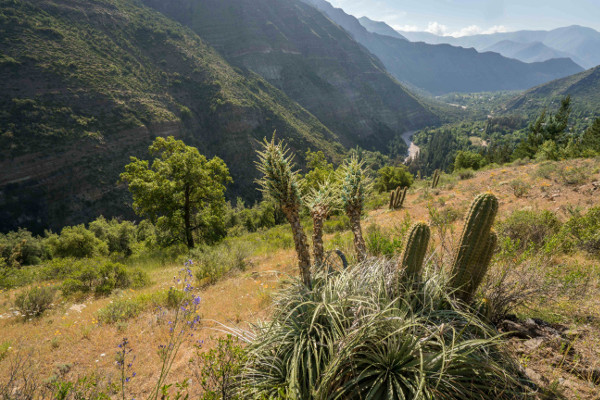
300, 51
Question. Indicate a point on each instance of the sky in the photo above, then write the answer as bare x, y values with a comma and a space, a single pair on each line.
468, 17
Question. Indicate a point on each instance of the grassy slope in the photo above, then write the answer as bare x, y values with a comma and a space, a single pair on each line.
244, 298
86, 84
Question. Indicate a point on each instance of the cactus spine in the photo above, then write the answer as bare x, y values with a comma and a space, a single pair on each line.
397, 198
413, 256
435, 179
476, 246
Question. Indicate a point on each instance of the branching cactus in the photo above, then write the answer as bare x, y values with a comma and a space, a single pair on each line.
411, 261
321, 202
397, 197
476, 246
280, 182
354, 187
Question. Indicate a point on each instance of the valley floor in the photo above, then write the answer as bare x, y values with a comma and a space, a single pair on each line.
562, 356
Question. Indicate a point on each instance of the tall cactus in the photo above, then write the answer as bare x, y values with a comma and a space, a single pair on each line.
354, 187
320, 202
435, 179
280, 182
411, 261
397, 197
476, 246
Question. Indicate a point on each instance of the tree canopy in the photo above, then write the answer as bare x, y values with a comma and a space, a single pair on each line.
181, 192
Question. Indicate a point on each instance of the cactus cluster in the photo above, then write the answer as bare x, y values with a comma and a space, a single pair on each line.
473, 256
477, 243
435, 179
397, 197
411, 261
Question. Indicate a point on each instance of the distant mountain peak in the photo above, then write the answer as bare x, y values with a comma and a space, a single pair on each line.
379, 27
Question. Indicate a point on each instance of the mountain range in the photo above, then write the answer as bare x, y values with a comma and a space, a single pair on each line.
443, 68
579, 43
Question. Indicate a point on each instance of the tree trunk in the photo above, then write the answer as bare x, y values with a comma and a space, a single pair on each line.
359, 242
189, 237
300, 242
318, 252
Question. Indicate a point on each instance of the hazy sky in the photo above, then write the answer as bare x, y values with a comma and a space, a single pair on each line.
460, 17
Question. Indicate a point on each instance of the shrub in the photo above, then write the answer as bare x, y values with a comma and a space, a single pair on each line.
33, 302
119, 236
529, 228
215, 262
120, 310
519, 188
77, 242
389, 178
20, 248
464, 174
218, 369
380, 244
569, 175
468, 160
351, 337
103, 279
583, 230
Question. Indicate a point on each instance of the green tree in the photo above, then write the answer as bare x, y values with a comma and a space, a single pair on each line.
591, 137
468, 159
181, 192
389, 178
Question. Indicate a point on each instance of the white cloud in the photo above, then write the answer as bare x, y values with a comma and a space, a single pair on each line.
437, 29
442, 30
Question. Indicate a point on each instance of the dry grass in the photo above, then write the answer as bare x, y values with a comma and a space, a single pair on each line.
66, 335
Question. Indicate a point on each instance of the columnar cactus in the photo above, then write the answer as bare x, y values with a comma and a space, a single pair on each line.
397, 197
320, 202
411, 261
355, 185
476, 246
280, 182
435, 179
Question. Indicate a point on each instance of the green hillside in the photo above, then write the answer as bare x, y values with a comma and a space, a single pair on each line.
310, 58
584, 89
85, 84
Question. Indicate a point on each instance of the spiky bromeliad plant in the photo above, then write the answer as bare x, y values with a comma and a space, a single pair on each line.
354, 187
350, 337
280, 182
321, 201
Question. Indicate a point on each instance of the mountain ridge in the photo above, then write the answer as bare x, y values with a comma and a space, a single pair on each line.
443, 68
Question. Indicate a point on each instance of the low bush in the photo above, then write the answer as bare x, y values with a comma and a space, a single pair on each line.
103, 279
338, 223
464, 174
519, 188
529, 228
468, 160
121, 310
583, 231
76, 242
389, 178
382, 244
120, 237
217, 261
33, 302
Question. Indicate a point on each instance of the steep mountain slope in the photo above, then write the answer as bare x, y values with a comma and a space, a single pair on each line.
312, 60
379, 27
441, 69
527, 52
85, 84
580, 43
584, 89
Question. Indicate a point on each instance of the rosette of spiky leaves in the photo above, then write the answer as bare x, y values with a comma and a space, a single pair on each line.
355, 184
350, 337
321, 201
281, 183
